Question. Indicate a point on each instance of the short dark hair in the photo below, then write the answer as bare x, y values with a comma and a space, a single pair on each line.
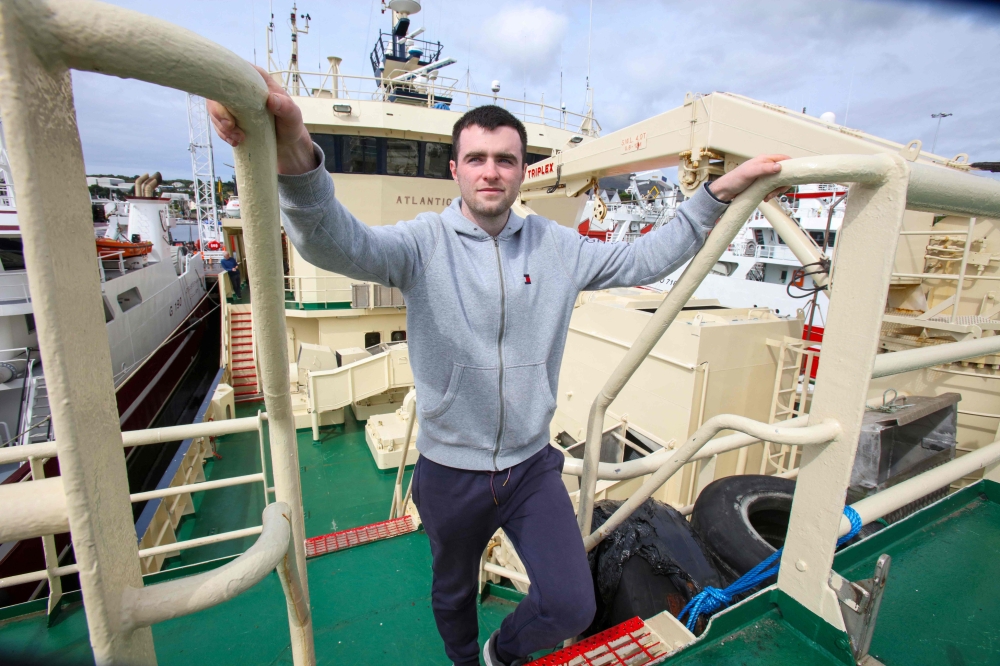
490, 117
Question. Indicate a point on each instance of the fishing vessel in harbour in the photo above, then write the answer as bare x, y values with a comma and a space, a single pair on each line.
157, 311
665, 404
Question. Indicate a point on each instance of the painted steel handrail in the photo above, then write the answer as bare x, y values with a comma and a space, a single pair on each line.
560, 118
39, 41
635, 468
32, 509
142, 607
886, 501
930, 189
840, 169
895, 363
144, 437
820, 433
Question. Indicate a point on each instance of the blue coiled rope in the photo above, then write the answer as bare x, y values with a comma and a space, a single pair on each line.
712, 599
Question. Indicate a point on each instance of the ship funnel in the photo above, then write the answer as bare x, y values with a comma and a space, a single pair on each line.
137, 185
148, 217
150, 185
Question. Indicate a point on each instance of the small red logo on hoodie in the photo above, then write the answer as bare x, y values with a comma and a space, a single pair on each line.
527, 279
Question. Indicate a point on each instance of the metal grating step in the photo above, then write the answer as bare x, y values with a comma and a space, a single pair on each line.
630, 643
357, 536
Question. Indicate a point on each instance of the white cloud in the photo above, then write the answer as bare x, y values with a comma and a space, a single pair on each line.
896, 62
526, 38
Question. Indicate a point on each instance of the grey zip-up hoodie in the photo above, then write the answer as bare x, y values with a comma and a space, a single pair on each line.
487, 317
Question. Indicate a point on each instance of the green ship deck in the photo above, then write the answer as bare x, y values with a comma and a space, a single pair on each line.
371, 604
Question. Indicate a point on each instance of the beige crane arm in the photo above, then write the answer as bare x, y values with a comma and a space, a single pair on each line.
708, 135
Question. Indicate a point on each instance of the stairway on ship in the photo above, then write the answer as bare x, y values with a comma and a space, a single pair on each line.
242, 352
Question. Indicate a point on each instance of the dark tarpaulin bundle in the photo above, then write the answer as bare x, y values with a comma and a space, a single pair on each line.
652, 562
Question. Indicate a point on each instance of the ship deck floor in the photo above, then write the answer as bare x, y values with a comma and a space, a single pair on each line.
941, 604
371, 604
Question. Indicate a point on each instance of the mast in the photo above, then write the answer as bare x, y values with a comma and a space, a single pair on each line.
293, 66
203, 173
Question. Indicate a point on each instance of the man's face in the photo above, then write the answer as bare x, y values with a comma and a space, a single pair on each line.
489, 169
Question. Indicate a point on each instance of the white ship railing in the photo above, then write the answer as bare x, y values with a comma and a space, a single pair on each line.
14, 287
780, 252
315, 289
40, 41
369, 88
117, 259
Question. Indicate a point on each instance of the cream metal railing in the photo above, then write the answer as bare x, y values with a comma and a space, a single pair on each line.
304, 286
329, 390
40, 41
38, 454
959, 278
336, 86
884, 186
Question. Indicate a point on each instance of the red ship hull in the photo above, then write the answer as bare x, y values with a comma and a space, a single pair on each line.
141, 398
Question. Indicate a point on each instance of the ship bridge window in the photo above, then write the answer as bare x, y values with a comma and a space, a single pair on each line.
372, 339
818, 237
129, 299
535, 157
437, 158
109, 314
11, 254
397, 336
360, 154
385, 156
328, 144
402, 157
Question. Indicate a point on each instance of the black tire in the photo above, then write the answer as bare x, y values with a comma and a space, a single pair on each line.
742, 520
652, 562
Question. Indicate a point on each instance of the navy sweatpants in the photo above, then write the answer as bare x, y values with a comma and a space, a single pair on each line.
462, 509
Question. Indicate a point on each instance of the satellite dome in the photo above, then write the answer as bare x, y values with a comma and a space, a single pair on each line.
829, 117
495, 87
405, 7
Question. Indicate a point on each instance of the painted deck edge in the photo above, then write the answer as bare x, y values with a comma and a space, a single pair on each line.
875, 545
22, 610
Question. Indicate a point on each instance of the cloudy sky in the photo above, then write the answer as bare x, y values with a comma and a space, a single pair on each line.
880, 66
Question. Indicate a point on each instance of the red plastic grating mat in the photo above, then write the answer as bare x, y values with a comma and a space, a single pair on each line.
630, 643
329, 543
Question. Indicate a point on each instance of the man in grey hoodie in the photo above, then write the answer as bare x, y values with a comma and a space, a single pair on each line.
489, 296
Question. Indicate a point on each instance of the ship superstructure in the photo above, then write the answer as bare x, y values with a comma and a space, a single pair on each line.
387, 143
649, 386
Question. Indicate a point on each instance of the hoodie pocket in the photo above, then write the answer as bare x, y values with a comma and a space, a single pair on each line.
469, 412
529, 404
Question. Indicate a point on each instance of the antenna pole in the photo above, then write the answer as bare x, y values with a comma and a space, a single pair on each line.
272, 66
590, 39
293, 66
